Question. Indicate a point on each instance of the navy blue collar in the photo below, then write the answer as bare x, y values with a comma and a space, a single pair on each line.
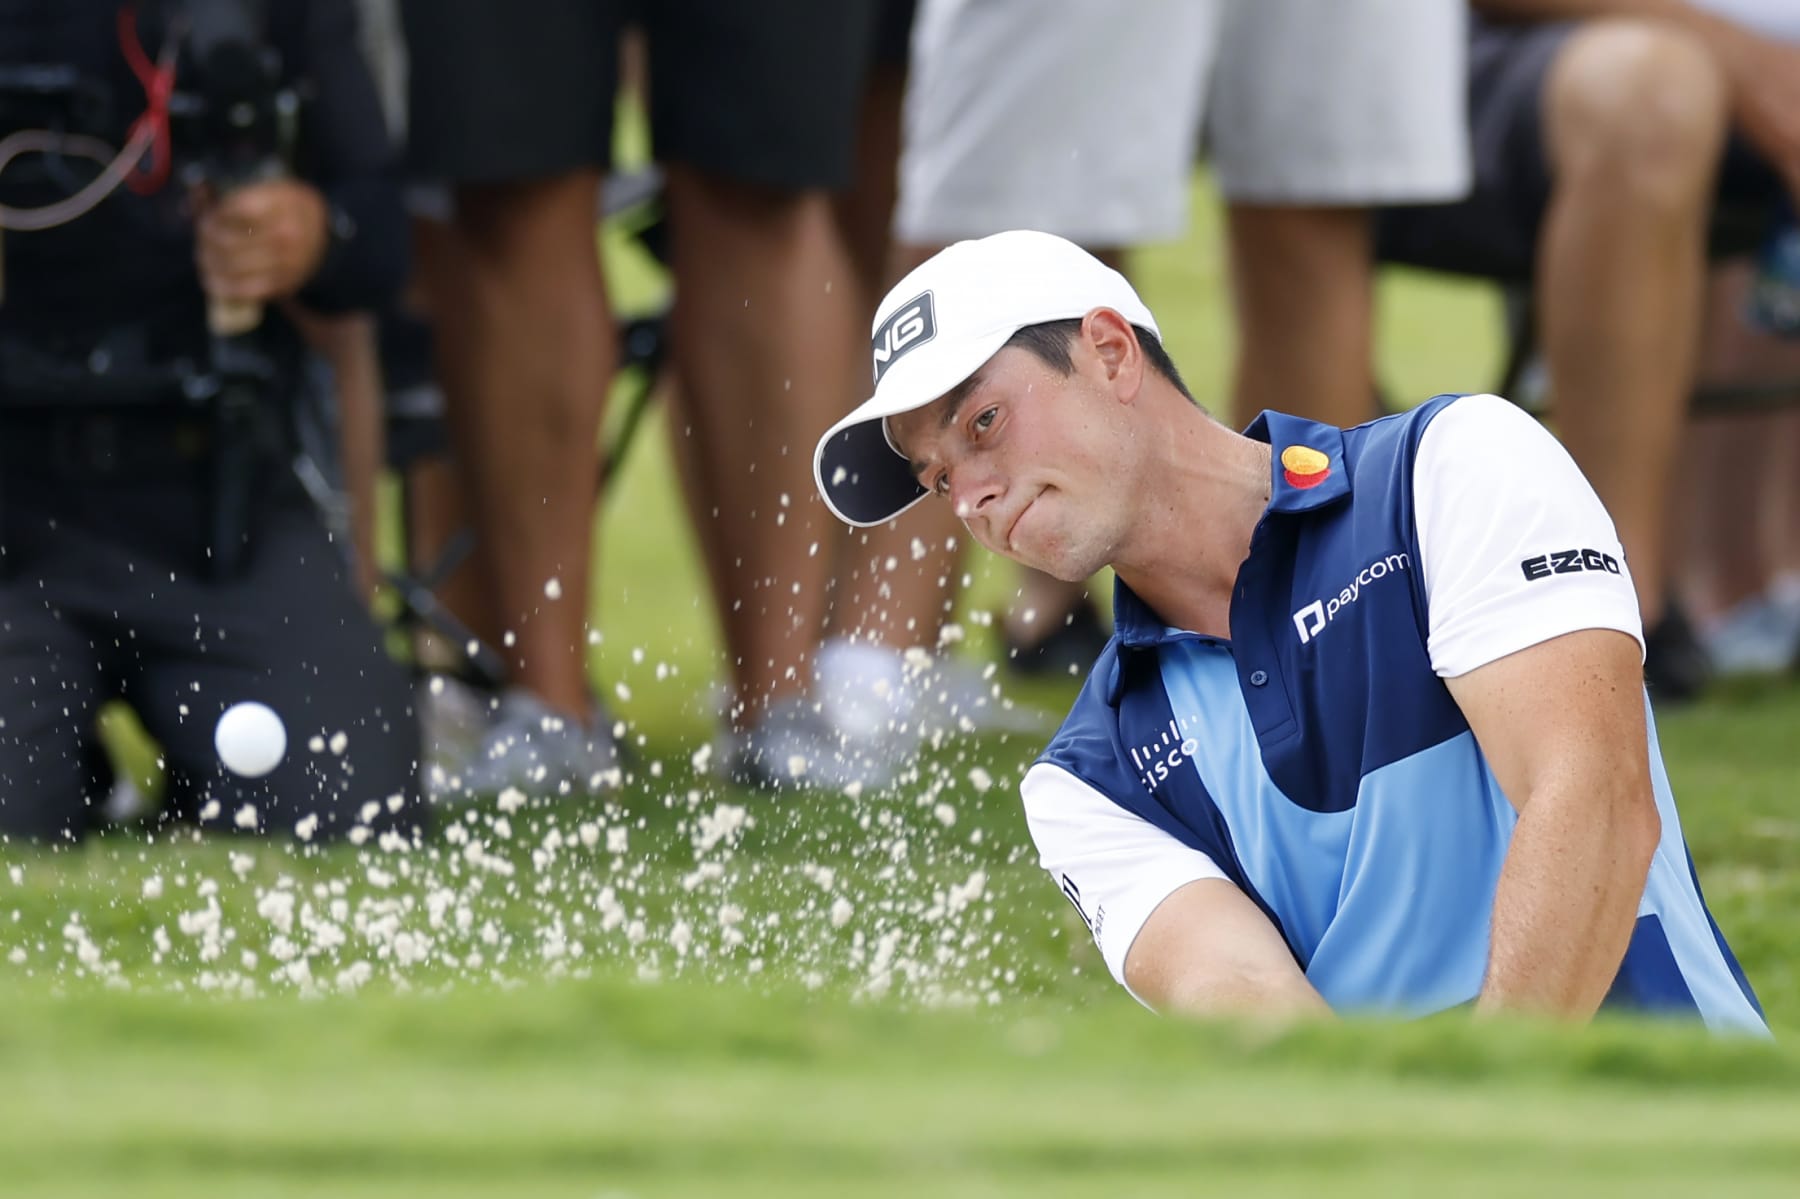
1134, 623
1308, 472
1307, 465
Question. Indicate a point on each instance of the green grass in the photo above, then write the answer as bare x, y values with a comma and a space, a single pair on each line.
690, 990
680, 1089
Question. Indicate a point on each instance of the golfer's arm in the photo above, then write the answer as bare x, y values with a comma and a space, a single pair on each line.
1562, 726
1207, 950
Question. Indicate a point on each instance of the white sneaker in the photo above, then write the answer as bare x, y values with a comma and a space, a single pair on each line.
454, 717
1761, 635
871, 692
957, 697
535, 748
125, 802
1785, 593
863, 689
795, 746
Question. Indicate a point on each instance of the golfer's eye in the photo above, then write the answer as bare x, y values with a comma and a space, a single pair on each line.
985, 420
942, 484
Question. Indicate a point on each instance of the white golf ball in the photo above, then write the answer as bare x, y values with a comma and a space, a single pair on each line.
250, 739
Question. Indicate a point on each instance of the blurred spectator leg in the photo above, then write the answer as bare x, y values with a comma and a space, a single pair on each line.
1738, 494
1787, 524
766, 352
520, 311
1635, 117
512, 106
895, 586
1053, 628
1317, 113
1725, 552
438, 502
1013, 120
347, 341
1301, 288
437, 510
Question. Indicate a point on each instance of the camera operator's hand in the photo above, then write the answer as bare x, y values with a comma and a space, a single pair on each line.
262, 241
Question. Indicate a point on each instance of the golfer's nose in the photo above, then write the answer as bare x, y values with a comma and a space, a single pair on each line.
974, 491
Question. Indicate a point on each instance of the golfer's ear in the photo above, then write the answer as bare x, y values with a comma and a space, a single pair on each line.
1115, 344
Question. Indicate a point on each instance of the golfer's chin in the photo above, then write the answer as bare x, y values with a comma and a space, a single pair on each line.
1066, 570
1059, 561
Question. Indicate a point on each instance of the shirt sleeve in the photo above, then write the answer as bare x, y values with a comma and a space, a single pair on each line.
1113, 865
1515, 547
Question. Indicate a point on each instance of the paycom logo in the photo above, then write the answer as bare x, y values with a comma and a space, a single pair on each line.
1311, 620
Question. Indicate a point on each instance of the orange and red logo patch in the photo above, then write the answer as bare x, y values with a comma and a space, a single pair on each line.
1304, 467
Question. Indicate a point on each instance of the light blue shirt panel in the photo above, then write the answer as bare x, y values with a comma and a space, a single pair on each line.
1384, 902
1671, 896
1292, 857
1389, 903
1411, 934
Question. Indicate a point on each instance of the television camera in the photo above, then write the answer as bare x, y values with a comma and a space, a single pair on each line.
215, 113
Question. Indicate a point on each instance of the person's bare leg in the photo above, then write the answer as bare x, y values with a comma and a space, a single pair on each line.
1635, 118
1301, 289
525, 355
436, 490
685, 436
1738, 492
896, 585
766, 354
893, 585
1786, 533
1724, 556
437, 509
865, 211
1041, 605
1730, 483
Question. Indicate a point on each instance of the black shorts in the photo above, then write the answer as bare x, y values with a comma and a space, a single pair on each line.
1494, 232
103, 598
757, 91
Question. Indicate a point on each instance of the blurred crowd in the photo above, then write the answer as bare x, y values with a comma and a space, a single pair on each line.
1625, 170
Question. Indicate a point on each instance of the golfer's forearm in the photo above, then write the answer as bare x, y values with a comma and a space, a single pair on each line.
1566, 904
1241, 997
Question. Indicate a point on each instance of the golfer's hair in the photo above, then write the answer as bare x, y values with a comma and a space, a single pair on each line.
1050, 341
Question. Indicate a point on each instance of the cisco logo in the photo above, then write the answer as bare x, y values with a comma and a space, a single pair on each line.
1157, 758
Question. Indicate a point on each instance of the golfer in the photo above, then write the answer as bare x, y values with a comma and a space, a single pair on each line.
1371, 733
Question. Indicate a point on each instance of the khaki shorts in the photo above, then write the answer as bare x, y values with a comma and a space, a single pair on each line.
1085, 118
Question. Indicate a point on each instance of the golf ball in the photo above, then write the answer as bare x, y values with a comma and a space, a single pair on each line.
250, 739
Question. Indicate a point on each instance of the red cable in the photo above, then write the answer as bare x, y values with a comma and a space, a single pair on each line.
159, 84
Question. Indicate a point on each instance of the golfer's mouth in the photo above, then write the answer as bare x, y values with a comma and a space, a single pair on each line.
1017, 517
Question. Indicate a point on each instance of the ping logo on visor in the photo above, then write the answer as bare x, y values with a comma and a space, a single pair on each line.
912, 325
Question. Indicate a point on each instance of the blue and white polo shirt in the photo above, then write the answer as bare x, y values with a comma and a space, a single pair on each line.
1318, 761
